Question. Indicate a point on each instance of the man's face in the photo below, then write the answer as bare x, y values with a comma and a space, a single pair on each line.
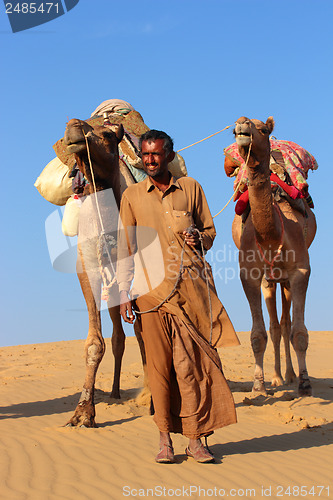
155, 160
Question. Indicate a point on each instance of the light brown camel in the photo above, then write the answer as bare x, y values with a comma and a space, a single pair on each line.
98, 213
273, 247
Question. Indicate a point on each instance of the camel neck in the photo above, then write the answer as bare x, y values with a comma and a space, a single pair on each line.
112, 181
264, 217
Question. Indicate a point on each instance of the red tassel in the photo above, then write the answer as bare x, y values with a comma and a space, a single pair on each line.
242, 202
292, 191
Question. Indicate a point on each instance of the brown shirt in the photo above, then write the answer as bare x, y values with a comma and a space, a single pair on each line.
151, 250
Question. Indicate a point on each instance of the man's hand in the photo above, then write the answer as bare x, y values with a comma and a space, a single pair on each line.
126, 310
192, 238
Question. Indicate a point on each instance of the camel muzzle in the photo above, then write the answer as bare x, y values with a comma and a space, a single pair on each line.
242, 134
243, 140
78, 147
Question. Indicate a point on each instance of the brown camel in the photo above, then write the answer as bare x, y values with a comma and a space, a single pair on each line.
98, 213
273, 247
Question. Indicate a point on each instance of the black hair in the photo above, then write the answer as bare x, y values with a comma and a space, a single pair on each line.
152, 135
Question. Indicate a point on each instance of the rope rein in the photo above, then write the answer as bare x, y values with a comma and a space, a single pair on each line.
180, 273
205, 139
208, 290
239, 182
241, 178
181, 268
101, 242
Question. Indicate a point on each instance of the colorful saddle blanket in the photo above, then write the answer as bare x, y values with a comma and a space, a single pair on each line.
294, 160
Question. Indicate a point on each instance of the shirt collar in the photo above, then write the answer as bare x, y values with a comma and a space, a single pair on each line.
173, 182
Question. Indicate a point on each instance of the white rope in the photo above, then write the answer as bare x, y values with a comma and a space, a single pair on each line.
205, 139
180, 272
239, 182
106, 286
174, 288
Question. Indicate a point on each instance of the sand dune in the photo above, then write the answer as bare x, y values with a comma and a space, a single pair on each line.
280, 441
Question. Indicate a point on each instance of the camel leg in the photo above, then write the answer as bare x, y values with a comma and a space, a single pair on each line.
286, 330
144, 398
299, 334
269, 293
118, 347
84, 414
258, 332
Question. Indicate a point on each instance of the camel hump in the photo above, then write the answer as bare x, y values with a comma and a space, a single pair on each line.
55, 183
113, 106
120, 111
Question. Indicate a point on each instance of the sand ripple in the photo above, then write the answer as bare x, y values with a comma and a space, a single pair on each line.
279, 441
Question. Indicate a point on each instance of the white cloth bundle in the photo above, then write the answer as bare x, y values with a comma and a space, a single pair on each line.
54, 183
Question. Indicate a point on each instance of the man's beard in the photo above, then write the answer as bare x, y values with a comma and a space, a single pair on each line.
153, 173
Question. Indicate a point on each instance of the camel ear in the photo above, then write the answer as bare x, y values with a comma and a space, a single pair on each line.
270, 124
120, 133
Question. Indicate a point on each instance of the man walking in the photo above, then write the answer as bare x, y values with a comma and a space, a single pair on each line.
182, 318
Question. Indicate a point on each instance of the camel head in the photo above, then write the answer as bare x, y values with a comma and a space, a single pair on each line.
101, 139
103, 146
254, 132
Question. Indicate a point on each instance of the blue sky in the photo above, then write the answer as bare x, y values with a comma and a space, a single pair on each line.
191, 68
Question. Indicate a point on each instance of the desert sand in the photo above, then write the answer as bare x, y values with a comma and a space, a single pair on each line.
281, 447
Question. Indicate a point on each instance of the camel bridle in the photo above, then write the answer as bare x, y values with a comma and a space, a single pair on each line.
102, 240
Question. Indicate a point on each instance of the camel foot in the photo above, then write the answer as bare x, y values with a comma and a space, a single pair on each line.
115, 394
304, 388
84, 416
290, 377
259, 388
276, 381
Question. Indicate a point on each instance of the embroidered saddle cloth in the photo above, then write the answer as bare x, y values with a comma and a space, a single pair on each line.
288, 160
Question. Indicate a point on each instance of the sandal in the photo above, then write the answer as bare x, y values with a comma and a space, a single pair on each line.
165, 455
200, 454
